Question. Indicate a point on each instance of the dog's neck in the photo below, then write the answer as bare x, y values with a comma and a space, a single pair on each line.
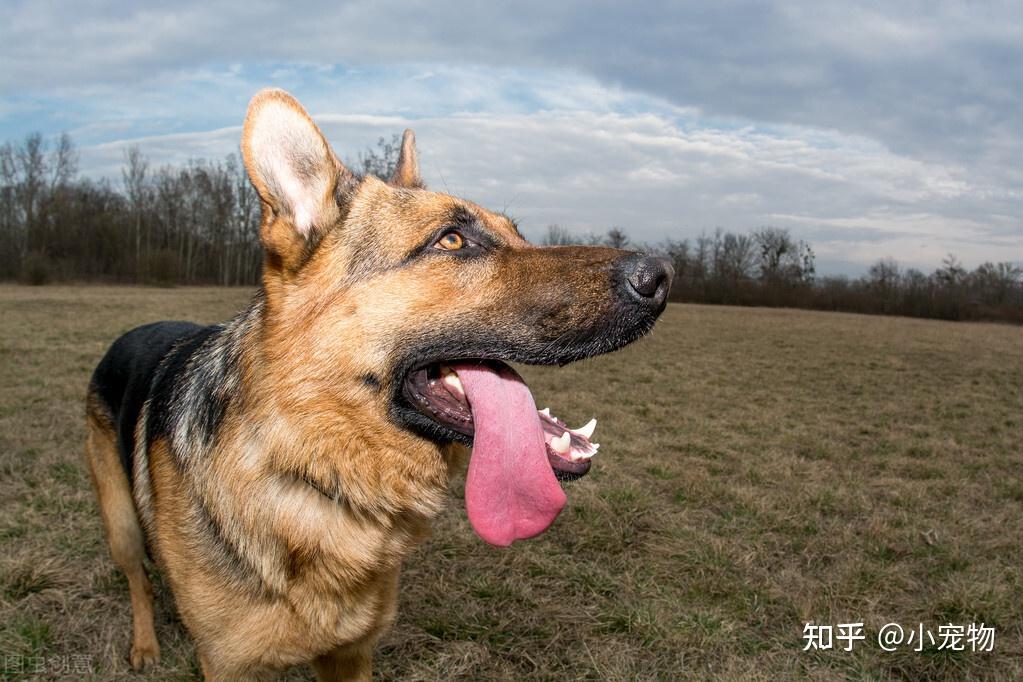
320, 473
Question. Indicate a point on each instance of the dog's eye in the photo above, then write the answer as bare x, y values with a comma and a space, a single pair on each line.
450, 241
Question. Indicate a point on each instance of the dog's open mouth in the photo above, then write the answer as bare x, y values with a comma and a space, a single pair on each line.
438, 392
519, 453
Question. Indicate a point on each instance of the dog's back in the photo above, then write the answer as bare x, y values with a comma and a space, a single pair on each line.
124, 377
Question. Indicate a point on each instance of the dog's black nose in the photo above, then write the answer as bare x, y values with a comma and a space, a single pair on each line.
646, 279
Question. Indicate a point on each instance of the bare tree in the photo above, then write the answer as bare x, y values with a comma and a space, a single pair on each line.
884, 273
951, 273
246, 226
381, 161
808, 263
994, 282
558, 236
735, 257
63, 164
776, 250
133, 175
30, 166
10, 237
616, 238
783, 260
678, 253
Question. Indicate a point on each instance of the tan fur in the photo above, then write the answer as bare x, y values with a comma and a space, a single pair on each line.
241, 637
406, 170
313, 579
124, 536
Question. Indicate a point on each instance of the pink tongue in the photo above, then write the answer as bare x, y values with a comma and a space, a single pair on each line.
510, 492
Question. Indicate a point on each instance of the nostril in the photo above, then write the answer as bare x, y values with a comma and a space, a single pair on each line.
646, 281
650, 277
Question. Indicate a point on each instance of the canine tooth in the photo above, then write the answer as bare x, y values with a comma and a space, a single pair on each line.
454, 382
587, 430
546, 411
563, 443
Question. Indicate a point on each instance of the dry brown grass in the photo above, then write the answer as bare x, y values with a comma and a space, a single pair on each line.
760, 469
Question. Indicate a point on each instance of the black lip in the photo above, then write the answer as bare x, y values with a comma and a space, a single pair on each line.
412, 400
404, 413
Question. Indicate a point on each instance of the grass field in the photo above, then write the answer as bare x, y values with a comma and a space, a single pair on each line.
760, 469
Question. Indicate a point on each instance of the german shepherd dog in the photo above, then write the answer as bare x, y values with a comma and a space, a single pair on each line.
280, 466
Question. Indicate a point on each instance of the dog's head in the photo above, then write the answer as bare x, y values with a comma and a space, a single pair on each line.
408, 302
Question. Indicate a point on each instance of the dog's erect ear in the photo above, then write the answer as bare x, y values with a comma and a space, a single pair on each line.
406, 171
295, 172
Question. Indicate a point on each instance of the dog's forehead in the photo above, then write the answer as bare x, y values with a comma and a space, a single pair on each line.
410, 215
444, 210
387, 225
501, 224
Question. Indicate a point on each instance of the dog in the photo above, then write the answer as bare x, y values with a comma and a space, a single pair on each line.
279, 467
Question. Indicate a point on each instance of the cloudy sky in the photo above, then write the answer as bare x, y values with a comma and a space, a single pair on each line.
871, 130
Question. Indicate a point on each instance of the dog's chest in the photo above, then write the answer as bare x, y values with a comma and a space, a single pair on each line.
307, 623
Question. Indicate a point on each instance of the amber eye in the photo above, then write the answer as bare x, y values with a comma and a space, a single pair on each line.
450, 241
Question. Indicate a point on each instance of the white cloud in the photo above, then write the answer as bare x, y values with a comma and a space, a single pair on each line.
863, 126
658, 175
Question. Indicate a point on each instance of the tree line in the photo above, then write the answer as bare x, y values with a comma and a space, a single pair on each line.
195, 224
198, 224
768, 267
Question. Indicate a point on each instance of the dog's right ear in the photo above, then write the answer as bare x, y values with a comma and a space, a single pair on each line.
300, 181
406, 170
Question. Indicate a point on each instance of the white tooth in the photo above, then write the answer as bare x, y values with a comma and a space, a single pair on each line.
454, 382
576, 456
546, 411
587, 430
563, 443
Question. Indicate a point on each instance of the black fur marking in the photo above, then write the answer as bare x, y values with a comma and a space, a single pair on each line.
309, 247
147, 363
123, 378
187, 373
463, 218
211, 413
165, 395
224, 552
371, 380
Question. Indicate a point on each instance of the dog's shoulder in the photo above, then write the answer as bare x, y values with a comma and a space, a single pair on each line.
133, 366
